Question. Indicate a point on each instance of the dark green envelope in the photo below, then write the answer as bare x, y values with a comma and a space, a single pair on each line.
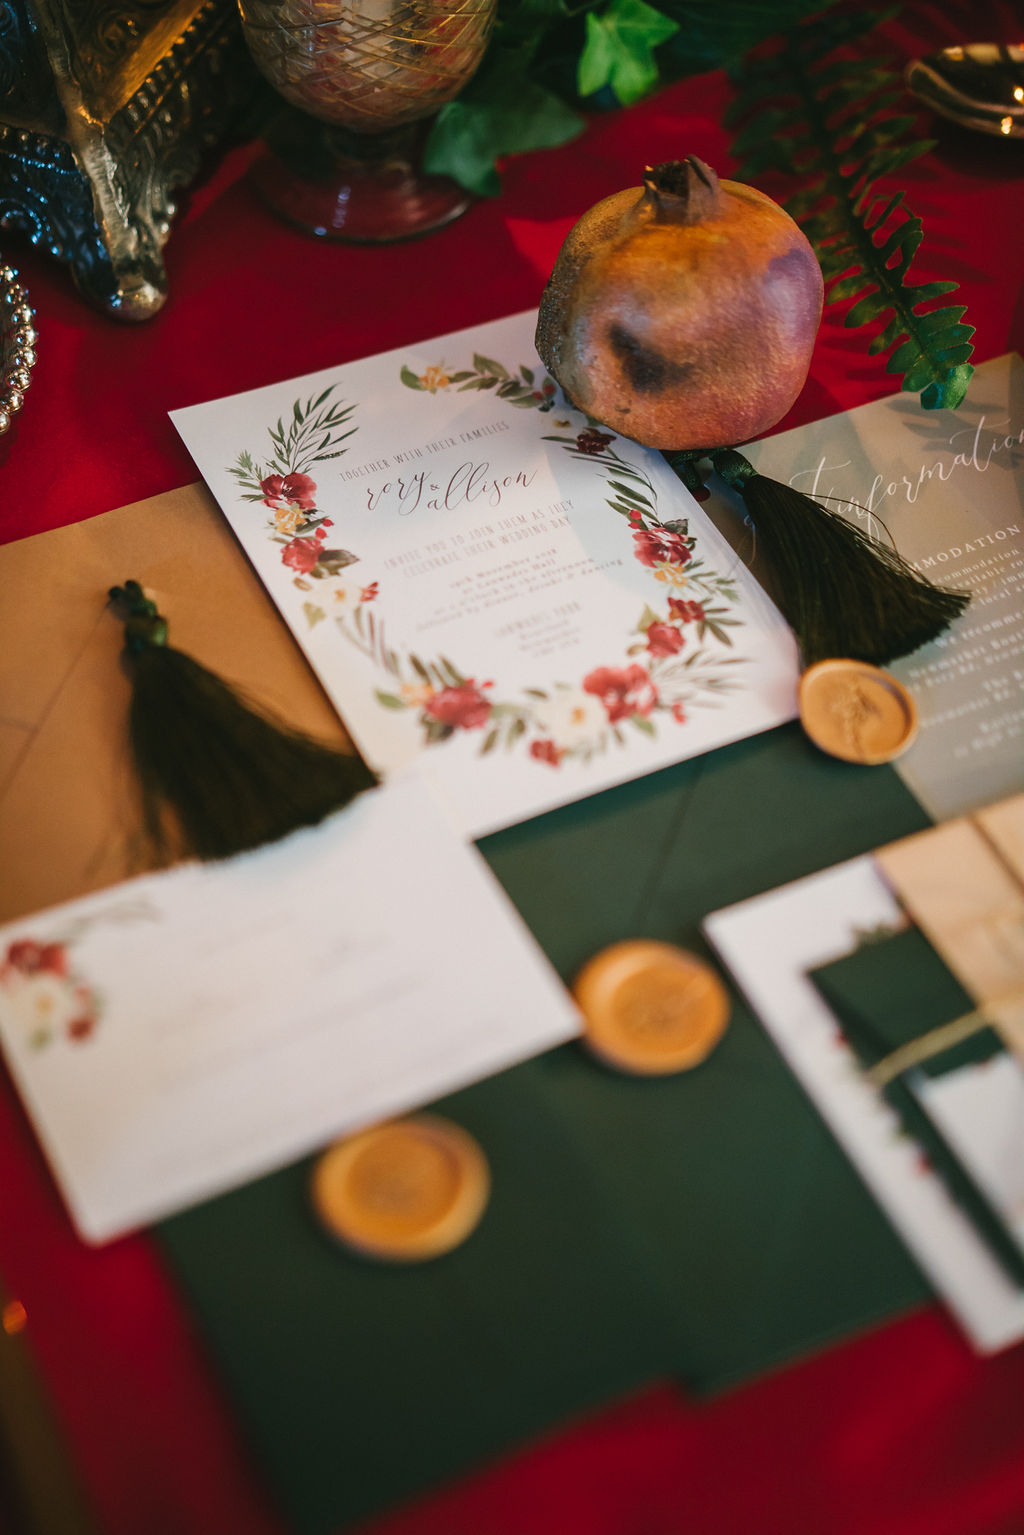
888, 994
705, 1225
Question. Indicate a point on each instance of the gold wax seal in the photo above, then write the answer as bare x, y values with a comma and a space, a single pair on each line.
650, 1008
856, 711
405, 1190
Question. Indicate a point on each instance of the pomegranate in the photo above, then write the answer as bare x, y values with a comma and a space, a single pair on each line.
683, 313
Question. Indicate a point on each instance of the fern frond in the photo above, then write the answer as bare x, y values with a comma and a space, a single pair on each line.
834, 124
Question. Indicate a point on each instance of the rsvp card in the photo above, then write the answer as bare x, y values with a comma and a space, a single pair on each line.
189, 1030
529, 608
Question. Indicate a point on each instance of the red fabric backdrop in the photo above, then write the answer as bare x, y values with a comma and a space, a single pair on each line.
903, 1431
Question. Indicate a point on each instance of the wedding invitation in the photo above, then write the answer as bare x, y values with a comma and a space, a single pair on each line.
186, 1031
529, 608
946, 486
785, 950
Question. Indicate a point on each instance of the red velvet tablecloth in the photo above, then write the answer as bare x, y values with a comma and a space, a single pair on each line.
903, 1431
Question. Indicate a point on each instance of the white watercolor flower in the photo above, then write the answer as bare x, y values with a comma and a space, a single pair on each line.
41, 1003
570, 718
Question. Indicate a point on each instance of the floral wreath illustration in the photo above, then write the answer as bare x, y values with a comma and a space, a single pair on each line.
673, 661
50, 1000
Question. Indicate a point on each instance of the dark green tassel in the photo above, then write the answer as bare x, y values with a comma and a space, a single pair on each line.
841, 592
216, 776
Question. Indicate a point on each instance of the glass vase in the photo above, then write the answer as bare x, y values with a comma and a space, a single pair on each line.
365, 77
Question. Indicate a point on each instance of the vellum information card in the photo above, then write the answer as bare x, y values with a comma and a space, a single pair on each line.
189, 1030
531, 608
947, 485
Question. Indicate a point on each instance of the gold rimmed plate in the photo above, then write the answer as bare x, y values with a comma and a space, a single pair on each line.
978, 85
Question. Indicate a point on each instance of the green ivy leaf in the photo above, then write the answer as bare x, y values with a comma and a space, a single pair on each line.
503, 111
619, 49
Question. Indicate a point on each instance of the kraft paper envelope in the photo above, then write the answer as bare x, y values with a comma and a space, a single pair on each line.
68, 807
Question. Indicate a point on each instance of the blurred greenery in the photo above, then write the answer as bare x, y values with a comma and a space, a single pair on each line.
824, 129
548, 61
811, 111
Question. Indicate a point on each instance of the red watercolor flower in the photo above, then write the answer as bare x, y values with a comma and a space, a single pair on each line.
663, 639
81, 1027
678, 713
624, 690
289, 490
660, 546
464, 706
368, 593
546, 751
301, 555
685, 612
33, 958
591, 441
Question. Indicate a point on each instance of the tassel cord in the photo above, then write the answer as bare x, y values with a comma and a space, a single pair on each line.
842, 592
228, 776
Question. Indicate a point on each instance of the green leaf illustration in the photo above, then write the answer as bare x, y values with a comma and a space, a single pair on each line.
334, 560
314, 613
410, 379
453, 677
806, 110
489, 366
619, 50
390, 701
630, 492
435, 732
